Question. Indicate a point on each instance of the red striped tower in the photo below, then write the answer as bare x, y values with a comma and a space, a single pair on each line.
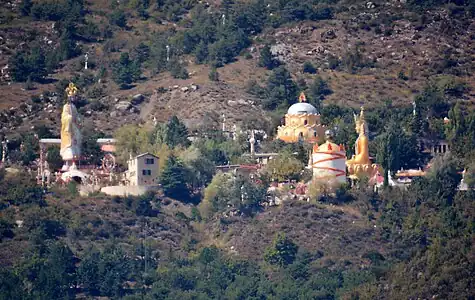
329, 162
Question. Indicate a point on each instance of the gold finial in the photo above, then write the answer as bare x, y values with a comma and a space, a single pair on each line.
302, 97
71, 90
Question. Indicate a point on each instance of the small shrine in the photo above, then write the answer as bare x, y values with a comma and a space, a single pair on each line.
327, 161
302, 123
360, 165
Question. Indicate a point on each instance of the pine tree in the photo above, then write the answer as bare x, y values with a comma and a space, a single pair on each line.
25, 7
177, 133
173, 179
28, 65
282, 90
318, 90
201, 53
267, 60
125, 71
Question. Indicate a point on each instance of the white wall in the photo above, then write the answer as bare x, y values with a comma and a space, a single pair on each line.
136, 168
122, 191
336, 168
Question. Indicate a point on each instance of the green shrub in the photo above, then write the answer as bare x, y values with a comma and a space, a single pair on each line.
6, 230
118, 18
28, 65
402, 76
177, 70
213, 75
309, 68
282, 252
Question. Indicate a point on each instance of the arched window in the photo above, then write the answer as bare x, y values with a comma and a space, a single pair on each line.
305, 122
314, 134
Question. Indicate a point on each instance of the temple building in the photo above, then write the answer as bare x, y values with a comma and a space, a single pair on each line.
360, 165
302, 123
327, 161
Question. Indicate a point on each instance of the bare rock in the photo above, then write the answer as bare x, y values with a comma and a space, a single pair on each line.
134, 110
329, 34
123, 106
137, 99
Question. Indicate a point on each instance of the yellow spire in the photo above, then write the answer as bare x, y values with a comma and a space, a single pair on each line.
302, 97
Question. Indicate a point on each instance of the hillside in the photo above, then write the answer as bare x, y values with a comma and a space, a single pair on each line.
367, 53
161, 74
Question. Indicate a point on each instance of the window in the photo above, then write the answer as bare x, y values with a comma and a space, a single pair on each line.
149, 161
305, 122
315, 134
147, 172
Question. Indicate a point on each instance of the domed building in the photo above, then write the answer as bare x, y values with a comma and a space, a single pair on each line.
302, 122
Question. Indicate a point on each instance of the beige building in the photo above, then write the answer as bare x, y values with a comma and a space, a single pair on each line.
302, 122
143, 170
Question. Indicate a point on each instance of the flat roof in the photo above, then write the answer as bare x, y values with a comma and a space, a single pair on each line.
50, 141
58, 141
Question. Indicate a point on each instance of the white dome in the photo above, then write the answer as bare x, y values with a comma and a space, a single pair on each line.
302, 108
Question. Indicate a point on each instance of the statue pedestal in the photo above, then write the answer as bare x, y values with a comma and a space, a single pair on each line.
359, 171
65, 167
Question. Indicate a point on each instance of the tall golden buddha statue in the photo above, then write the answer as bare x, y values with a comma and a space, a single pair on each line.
360, 164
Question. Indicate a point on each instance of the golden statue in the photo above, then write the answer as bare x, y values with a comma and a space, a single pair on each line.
360, 164
361, 145
70, 129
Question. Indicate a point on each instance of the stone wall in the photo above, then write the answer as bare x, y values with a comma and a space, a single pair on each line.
119, 190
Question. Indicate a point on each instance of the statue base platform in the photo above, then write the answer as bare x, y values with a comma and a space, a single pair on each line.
359, 171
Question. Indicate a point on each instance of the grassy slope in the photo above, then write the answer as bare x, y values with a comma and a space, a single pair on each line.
401, 51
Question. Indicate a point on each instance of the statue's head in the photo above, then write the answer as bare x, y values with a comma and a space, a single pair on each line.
357, 125
363, 128
360, 123
71, 90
